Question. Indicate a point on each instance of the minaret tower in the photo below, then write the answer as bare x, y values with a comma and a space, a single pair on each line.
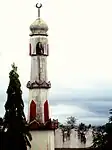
38, 84
41, 126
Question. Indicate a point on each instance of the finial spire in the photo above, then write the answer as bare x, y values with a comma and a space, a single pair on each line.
38, 6
14, 67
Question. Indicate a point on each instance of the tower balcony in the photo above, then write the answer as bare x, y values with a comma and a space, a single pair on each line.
40, 84
48, 125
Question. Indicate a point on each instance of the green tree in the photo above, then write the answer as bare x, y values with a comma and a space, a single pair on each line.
102, 138
89, 126
82, 127
71, 121
14, 121
99, 137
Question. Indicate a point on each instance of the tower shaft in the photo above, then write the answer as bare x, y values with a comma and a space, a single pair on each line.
38, 84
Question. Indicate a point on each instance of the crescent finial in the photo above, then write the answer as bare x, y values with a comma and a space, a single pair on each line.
38, 6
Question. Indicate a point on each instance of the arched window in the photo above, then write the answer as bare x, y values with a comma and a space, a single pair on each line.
39, 48
30, 49
47, 49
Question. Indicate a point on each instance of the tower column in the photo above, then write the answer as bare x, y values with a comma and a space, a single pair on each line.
41, 126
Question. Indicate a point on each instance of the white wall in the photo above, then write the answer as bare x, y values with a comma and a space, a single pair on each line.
42, 140
74, 142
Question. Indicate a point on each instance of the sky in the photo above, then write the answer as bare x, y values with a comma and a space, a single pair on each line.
79, 65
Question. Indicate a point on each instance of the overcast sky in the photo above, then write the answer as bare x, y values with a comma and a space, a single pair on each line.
80, 61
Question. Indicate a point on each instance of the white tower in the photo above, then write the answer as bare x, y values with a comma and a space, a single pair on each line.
41, 126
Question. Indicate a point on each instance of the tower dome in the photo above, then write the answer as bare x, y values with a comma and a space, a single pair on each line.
39, 27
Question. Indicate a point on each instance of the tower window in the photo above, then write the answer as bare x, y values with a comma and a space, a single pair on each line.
39, 48
30, 49
42, 49
47, 49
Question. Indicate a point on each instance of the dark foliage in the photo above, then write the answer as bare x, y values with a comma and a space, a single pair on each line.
102, 137
82, 129
15, 130
89, 126
71, 121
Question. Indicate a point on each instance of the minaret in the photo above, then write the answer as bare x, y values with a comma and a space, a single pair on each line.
38, 84
41, 126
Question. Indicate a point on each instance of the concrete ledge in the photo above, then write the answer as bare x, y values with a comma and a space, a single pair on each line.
76, 149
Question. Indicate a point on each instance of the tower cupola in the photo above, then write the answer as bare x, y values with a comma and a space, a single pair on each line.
39, 26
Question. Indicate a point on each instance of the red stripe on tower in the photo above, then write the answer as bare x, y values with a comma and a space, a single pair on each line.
46, 111
32, 110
